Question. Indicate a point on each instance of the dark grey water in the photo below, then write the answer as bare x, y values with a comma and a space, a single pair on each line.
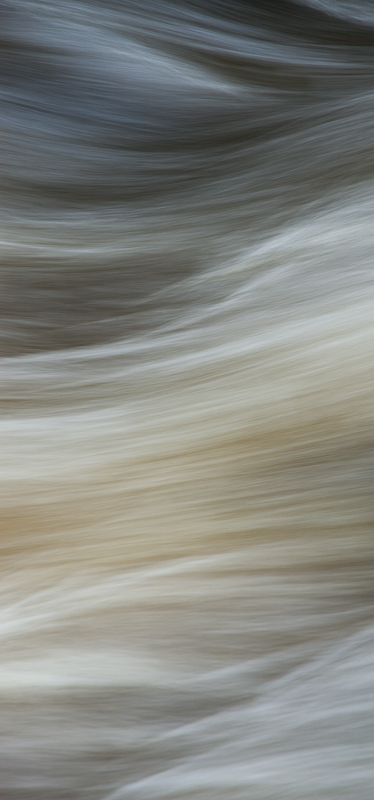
187, 438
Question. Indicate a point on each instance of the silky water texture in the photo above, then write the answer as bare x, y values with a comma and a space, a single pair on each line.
187, 390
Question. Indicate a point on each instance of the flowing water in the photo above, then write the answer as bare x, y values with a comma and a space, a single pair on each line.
188, 418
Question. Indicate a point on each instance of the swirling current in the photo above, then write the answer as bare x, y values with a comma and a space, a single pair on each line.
187, 334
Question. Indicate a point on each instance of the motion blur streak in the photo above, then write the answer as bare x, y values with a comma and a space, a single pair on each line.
188, 426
